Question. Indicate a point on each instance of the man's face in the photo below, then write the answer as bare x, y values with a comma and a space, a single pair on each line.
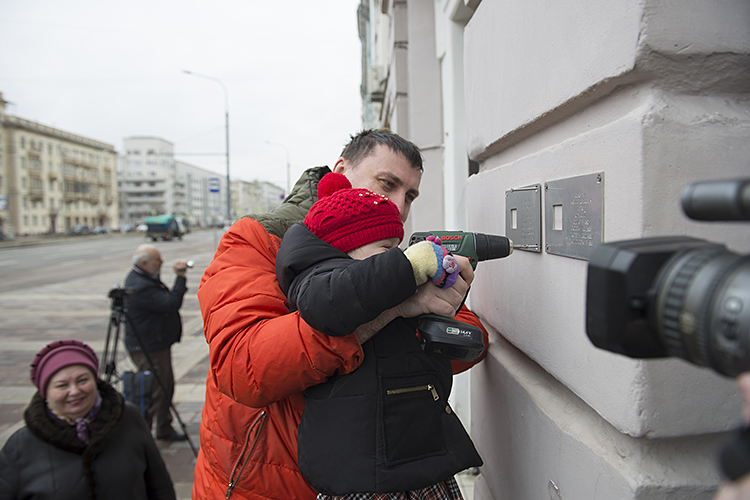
154, 262
385, 172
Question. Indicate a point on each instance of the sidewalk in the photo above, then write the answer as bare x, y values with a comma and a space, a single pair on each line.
190, 365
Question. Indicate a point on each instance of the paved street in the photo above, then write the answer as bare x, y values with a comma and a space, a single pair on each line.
58, 289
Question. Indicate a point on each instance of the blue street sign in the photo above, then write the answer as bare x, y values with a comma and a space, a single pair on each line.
213, 184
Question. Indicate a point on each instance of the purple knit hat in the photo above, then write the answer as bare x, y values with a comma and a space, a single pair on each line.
57, 355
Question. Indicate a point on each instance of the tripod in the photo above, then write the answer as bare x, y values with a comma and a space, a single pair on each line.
118, 317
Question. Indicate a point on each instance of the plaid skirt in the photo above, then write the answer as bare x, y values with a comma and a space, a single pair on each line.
446, 490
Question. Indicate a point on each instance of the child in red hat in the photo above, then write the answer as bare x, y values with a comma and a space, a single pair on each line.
387, 428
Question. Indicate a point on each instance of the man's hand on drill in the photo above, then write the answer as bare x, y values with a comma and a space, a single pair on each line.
429, 299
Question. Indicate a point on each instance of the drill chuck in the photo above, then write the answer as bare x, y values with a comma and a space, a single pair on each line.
490, 246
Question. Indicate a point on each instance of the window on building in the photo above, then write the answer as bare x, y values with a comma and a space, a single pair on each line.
23, 142
23, 162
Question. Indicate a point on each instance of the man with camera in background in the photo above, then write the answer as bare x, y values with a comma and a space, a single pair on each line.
154, 325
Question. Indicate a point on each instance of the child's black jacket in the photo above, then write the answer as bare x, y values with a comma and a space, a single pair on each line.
387, 426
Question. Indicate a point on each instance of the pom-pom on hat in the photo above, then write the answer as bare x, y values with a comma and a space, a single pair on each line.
58, 355
348, 218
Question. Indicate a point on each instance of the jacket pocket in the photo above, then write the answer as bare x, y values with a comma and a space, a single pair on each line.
247, 451
411, 426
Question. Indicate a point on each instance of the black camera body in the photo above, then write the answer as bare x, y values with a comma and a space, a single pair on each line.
117, 295
671, 296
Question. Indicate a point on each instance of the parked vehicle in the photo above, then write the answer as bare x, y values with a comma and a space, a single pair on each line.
165, 227
79, 229
100, 230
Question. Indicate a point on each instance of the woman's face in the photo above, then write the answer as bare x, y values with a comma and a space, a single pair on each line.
71, 392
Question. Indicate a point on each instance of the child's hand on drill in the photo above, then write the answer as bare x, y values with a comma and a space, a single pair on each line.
430, 260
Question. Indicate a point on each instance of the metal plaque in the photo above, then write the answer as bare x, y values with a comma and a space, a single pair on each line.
523, 217
574, 215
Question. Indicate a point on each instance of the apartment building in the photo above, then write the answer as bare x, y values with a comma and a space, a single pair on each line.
152, 182
52, 180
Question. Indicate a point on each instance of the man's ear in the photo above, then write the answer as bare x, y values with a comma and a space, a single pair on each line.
341, 166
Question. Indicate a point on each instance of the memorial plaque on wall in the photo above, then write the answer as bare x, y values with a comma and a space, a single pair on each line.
523, 217
574, 215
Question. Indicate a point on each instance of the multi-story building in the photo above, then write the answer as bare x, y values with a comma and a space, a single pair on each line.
255, 197
52, 180
583, 121
152, 182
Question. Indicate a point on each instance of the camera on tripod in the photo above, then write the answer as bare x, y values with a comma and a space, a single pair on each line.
679, 296
119, 293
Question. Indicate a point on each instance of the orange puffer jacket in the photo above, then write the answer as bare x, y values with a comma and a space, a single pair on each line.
261, 360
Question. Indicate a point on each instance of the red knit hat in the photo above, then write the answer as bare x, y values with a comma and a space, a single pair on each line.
348, 218
58, 355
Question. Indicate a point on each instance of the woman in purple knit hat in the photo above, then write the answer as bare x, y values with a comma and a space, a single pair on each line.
81, 440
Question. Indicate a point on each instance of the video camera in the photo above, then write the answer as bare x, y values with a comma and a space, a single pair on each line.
117, 295
679, 296
445, 336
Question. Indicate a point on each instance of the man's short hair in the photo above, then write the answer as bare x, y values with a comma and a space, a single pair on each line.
361, 145
139, 257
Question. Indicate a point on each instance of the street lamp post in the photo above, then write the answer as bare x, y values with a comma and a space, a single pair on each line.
226, 123
288, 187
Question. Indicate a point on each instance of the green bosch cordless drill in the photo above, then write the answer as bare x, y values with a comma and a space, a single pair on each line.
446, 336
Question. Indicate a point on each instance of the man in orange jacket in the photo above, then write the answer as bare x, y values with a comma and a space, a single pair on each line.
262, 357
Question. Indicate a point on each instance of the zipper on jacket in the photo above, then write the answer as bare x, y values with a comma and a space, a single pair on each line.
245, 453
405, 390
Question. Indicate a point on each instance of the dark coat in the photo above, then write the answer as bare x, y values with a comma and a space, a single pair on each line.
153, 311
387, 426
46, 460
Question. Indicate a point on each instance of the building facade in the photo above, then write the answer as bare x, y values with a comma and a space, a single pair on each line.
52, 180
585, 120
255, 197
152, 182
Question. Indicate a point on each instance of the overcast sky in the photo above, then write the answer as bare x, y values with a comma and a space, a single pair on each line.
109, 70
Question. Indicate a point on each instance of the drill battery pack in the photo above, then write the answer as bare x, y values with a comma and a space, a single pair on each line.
450, 338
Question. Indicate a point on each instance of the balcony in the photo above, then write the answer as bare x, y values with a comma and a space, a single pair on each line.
36, 193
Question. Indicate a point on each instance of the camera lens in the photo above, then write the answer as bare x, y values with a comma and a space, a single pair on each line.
702, 308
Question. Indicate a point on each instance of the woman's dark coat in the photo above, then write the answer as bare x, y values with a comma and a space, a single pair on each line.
46, 460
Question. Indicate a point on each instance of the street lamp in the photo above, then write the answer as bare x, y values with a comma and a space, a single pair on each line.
288, 190
226, 121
